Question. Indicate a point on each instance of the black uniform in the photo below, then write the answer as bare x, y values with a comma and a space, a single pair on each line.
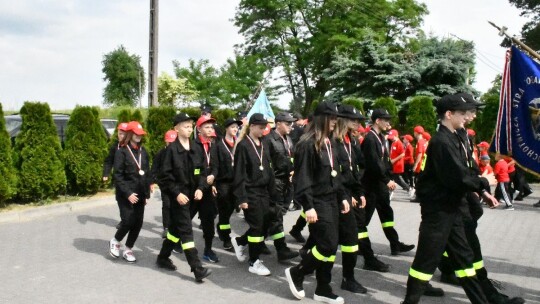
376, 177
127, 181
224, 186
206, 207
441, 189
182, 172
253, 186
109, 160
166, 203
316, 188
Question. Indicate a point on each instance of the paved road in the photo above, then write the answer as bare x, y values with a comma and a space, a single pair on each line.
60, 254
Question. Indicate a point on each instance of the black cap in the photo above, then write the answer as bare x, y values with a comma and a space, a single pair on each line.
470, 99
454, 102
284, 116
230, 121
181, 117
380, 113
326, 108
257, 119
297, 116
242, 114
350, 112
206, 109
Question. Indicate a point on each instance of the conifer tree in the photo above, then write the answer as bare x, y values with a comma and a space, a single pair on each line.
7, 170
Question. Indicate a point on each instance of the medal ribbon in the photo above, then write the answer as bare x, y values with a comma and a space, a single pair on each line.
255, 148
228, 150
134, 159
328, 145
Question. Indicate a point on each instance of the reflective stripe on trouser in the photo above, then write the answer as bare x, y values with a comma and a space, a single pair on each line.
387, 224
362, 235
255, 239
420, 275
349, 249
277, 236
225, 227
321, 257
462, 273
478, 265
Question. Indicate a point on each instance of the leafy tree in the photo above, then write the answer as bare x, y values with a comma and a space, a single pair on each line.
530, 30
203, 77
486, 119
175, 91
39, 164
85, 150
299, 37
160, 120
421, 112
137, 116
124, 76
8, 182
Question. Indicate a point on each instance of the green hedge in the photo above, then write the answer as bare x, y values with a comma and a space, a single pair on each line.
85, 150
421, 112
8, 182
160, 120
39, 155
389, 104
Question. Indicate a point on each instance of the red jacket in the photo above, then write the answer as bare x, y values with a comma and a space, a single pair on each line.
409, 154
396, 150
501, 171
420, 150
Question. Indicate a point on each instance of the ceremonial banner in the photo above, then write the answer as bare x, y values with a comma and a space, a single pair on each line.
262, 105
517, 133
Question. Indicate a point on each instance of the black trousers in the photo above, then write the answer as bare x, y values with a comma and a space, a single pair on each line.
225, 206
180, 231
279, 205
348, 239
364, 244
165, 210
408, 175
207, 210
378, 198
132, 216
258, 217
439, 231
398, 178
324, 234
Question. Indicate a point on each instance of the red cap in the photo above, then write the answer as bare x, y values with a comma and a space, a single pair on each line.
123, 126
426, 136
204, 119
419, 129
368, 128
408, 137
392, 134
135, 127
171, 136
483, 145
471, 132
361, 129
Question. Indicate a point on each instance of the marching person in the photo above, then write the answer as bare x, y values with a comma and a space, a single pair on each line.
397, 158
170, 136
224, 180
409, 162
184, 180
502, 192
318, 188
281, 149
132, 183
377, 179
441, 189
206, 207
253, 183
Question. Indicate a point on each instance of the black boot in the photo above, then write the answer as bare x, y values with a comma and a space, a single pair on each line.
297, 235
431, 291
200, 273
165, 263
352, 285
283, 252
400, 248
373, 264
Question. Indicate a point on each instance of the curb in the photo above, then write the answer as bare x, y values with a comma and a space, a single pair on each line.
61, 208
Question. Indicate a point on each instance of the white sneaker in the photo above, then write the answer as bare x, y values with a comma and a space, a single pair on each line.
329, 300
259, 269
114, 248
239, 250
128, 256
412, 192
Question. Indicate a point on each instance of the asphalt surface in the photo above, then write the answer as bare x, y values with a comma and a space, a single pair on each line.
59, 254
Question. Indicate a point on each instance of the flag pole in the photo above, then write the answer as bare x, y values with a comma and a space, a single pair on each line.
502, 32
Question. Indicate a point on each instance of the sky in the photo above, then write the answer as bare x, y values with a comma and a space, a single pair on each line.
51, 50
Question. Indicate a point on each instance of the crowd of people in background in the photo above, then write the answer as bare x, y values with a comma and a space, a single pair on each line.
338, 167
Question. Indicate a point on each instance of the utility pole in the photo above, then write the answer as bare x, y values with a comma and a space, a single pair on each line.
153, 54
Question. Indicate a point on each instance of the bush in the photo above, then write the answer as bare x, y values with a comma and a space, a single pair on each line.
421, 112
39, 163
485, 121
8, 182
160, 120
389, 104
85, 150
355, 102
223, 114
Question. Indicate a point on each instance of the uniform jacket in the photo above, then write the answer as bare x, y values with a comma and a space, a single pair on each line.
157, 163
246, 170
182, 170
350, 178
109, 160
312, 174
281, 154
224, 162
378, 167
127, 179
447, 176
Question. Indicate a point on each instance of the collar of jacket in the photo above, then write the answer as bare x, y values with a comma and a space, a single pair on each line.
275, 135
180, 148
453, 137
